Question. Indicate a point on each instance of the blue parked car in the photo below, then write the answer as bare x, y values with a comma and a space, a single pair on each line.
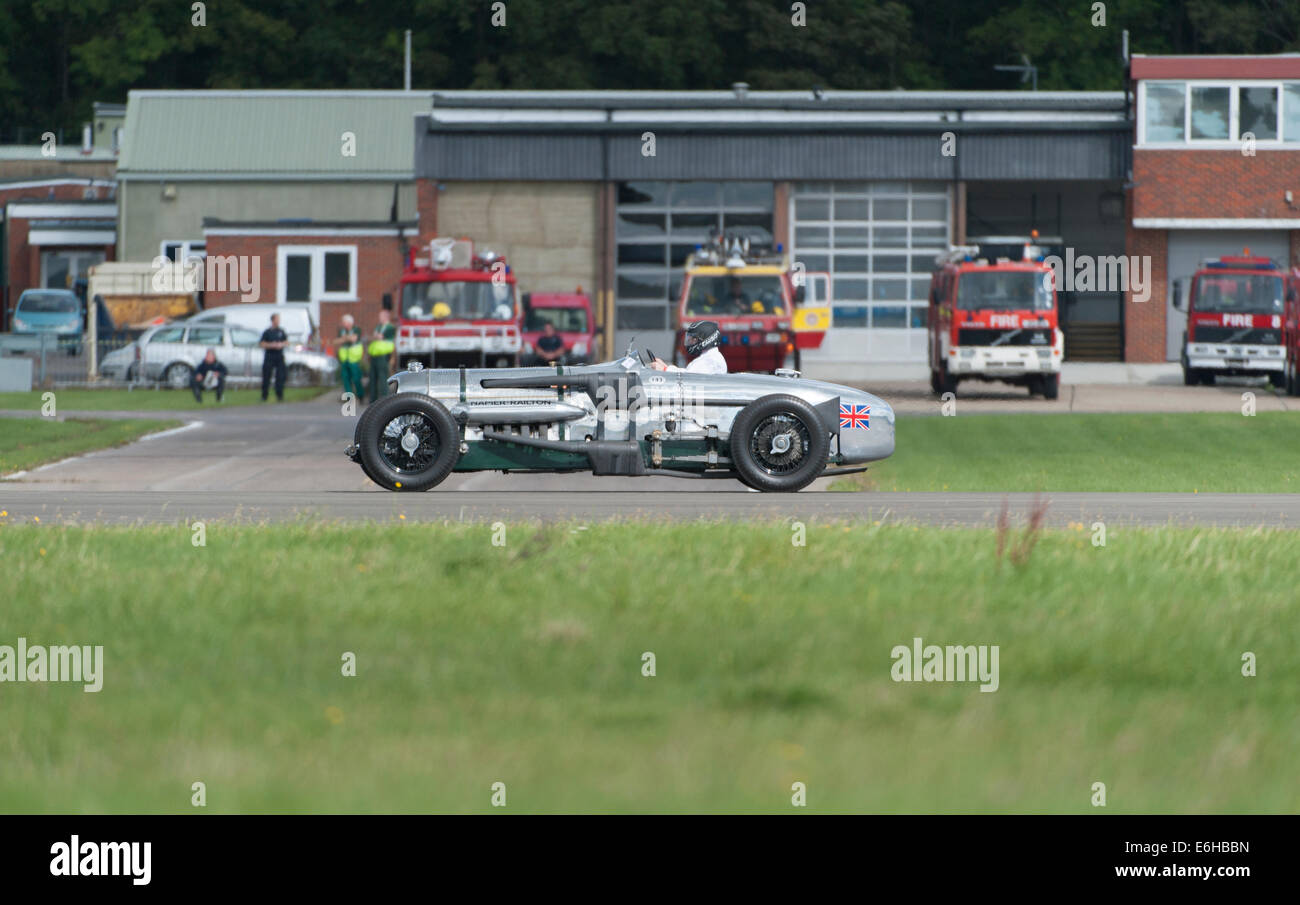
55, 311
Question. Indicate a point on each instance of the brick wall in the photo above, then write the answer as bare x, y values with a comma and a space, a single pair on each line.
1202, 184
1144, 322
24, 262
379, 271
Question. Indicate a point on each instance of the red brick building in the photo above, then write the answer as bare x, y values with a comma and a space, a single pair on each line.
54, 230
1216, 168
336, 268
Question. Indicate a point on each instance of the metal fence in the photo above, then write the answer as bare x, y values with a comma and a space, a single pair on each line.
121, 361
56, 360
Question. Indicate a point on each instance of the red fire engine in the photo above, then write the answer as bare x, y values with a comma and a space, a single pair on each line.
1291, 333
995, 320
766, 319
458, 308
1234, 320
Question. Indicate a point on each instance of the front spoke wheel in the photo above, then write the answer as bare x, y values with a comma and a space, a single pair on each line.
409, 443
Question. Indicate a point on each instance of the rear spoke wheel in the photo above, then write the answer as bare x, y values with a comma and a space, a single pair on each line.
780, 444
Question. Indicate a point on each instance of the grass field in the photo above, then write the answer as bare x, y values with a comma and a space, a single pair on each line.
1148, 452
147, 400
28, 442
523, 664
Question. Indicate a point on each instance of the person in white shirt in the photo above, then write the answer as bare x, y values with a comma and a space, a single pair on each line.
702, 338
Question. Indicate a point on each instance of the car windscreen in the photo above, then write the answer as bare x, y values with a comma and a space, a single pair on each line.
565, 320
734, 294
480, 300
1244, 293
1003, 290
48, 303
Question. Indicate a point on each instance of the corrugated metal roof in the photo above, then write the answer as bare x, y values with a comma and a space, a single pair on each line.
1061, 153
290, 135
269, 134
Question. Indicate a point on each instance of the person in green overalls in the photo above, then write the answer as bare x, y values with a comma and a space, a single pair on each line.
349, 352
381, 350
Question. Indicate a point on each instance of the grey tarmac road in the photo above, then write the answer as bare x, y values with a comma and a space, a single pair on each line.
277, 462
951, 509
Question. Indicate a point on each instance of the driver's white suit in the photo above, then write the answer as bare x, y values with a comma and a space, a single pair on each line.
711, 362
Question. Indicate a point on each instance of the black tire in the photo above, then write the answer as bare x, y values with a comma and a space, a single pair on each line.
367, 414
394, 421
1051, 386
1190, 377
947, 383
1208, 378
177, 375
1277, 380
755, 432
299, 375
1292, 380
934, 381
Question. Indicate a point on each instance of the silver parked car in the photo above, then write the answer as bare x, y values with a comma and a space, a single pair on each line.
774, 433
170, 352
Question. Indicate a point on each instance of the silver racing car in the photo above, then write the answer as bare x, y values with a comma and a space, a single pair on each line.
774, 433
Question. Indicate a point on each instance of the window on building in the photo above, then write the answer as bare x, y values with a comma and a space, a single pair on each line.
1211, 111
308, 273
297, 278
180, 250
878, 241
1257, 112
1219, 112
338, 272
659, 225
1166, 108
1291, 112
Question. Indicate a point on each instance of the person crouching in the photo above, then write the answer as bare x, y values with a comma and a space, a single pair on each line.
209, 371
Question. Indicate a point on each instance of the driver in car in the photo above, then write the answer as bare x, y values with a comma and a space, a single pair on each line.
702, 338
737, 298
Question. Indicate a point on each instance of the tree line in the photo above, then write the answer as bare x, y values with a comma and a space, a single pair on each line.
59, 56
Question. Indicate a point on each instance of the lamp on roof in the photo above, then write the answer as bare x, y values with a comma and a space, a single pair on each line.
440, 253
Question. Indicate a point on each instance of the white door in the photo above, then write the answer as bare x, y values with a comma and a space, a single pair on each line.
1188, 248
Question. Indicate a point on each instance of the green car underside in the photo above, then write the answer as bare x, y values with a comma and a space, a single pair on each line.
493, 455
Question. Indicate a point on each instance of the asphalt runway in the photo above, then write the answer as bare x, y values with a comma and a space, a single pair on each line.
282, 462
24, 503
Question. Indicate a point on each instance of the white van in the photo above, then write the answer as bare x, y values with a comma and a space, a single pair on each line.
295, 320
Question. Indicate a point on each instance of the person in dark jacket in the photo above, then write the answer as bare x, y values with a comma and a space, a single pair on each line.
209, 365
273, 342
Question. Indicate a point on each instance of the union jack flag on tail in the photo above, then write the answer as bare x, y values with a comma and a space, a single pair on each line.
855, 417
